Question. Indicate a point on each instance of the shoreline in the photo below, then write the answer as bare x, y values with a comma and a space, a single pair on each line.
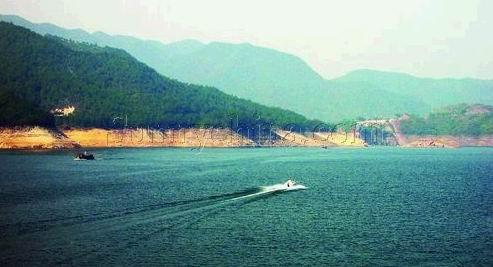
42, 139
39, 138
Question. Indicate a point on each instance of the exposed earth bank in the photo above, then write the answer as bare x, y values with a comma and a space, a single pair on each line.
33, 138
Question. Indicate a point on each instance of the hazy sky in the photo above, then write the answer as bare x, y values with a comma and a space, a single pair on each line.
436, 38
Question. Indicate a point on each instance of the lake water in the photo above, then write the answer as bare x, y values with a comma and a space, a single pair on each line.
374, 206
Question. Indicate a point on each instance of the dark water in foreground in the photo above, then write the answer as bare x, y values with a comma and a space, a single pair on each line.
376, 206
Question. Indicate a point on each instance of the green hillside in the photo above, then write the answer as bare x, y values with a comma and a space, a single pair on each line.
19, 112
461, 119
103, 83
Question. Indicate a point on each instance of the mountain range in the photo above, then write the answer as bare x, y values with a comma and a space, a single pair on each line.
39, 74
282, 80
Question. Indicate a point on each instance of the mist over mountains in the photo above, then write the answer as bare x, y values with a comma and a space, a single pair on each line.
282, 80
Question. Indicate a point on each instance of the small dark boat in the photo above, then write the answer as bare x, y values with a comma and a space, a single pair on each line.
84, 156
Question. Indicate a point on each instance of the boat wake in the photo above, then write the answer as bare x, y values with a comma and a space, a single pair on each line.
148, 221
158, 211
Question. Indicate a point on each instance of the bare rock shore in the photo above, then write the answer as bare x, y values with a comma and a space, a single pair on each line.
34, 138
42, 138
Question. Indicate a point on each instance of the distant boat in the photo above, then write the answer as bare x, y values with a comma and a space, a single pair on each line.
84, 156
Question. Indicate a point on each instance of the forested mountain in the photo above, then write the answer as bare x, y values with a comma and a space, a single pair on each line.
103, 83
278, 79
15, 111
259, 74
457, 120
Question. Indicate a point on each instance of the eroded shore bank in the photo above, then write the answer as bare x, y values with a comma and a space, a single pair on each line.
43, 138
33, 138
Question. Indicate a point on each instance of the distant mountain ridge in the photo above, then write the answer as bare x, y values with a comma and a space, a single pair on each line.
279, 79
434, 92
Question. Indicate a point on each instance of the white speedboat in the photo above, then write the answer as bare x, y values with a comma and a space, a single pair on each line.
286, 186
292, 185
